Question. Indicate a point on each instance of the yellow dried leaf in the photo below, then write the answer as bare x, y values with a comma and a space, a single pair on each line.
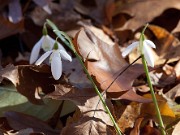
149, 108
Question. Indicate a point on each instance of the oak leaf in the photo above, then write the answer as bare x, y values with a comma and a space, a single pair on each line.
94, 118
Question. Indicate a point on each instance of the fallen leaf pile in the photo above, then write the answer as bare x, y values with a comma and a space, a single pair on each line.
32, 102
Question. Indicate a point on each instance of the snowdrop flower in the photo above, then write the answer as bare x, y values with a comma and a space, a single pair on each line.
46, 43
144, 49
55, 59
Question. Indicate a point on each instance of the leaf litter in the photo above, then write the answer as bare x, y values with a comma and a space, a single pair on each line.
112, 25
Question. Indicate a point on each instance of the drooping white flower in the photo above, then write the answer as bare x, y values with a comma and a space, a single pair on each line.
145, 50
46, 43
55, 60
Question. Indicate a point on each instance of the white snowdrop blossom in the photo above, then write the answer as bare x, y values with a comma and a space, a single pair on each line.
55, 60
145, 50
46, 43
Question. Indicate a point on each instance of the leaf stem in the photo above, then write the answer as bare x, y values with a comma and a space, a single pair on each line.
158, 114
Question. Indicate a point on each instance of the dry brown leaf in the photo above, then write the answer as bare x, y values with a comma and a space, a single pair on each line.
136, 129
141, 11
130, 95
128, 115
164, 76
107, 64
97, 32
19, 121
148, 130
168, 46
86, 99
91, 51
149, 108
96, 12
87, 126
29, 79
7, 28
63, 15
174, 92
110, 8
75, 73
94, 118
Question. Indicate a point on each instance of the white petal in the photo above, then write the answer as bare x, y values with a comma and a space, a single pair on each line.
65, 55
150, 43
43, 57
35, 51
47, 9
60, 47
148, 55
56, 67
130, 48
47, 43
44, 4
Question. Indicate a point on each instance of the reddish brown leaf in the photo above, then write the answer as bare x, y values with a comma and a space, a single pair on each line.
148, 130
107, 64
136, 129
110, 8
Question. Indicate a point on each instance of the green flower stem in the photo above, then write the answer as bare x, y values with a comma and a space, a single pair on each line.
100, 95
65, 38
161, 124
